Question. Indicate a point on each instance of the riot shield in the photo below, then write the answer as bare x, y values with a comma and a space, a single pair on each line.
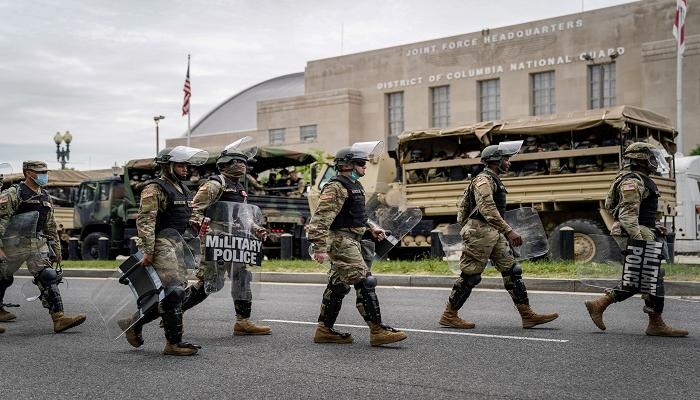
638, 269
452, 245
526, 222
396, 221
134, 291
232, 248
21, 239
5, 169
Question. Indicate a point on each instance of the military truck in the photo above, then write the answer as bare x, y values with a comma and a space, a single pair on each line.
108, 207
564, 170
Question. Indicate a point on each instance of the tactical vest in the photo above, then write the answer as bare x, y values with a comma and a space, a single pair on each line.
177, 213
353, 213
233, 190
499, 197
31, 201
648, 205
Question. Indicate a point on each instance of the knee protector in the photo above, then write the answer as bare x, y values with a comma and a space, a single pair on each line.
47, 280
173, 297
462, 289
367, 302
332, 303
48, 277
370, 281
513, 282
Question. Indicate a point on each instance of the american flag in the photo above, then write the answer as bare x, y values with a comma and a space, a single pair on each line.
188, 91
679, 24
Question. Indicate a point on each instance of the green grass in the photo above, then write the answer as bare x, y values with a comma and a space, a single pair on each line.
540, 269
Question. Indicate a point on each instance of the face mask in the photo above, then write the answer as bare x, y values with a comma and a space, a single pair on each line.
235, 170
354, 175
42, 179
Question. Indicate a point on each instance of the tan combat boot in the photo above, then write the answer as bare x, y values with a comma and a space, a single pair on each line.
62, 322
6, 315
531, 318
133, 333
452, 320
180, 349
657, 327
597, 307
2, 329
381, 334
244, 326
325, 334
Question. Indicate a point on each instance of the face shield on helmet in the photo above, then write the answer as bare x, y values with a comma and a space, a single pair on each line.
510, 148
367, 151
658, 161
188, 155
241, 147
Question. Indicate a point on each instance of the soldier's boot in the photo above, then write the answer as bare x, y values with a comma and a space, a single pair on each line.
245, 326
451, 319
531, 318
597, 307
657, 327
380, 334
325, 334
2, 329
6, 315
62, 322
133, 331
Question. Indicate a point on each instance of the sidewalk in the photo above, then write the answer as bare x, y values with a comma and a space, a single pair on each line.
556, 285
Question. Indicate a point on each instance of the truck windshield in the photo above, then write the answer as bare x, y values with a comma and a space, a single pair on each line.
327, 175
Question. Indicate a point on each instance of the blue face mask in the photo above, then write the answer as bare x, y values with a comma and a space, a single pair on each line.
42, 179
354, 175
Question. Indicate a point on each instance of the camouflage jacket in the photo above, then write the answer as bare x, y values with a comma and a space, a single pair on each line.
153, 200
483, 187
208, 193
630, 192
9, 201
332, 198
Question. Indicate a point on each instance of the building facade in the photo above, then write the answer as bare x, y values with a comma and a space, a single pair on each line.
612, 56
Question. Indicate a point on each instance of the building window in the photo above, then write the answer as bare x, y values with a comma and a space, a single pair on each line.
395, 111
602, 85
276, 136
440, 106
543, 93
307, 133
490, 100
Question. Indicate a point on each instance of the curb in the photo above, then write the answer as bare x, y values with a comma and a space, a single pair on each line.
545, 284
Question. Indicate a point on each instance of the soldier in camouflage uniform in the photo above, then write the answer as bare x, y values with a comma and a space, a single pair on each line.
633, 201
335, 231
4, 167
417, 175
487, 236
225, 187
25, 197
166, 205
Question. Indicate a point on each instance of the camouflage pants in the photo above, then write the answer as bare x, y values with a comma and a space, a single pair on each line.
36, 255
169, 267
212, 276
348, 265
481, 243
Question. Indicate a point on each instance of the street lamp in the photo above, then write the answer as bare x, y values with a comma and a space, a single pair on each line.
63, 154
157, 119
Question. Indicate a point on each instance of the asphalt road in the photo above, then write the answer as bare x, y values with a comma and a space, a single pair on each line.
568, 358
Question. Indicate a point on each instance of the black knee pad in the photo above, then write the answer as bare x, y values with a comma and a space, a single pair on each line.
370, 281
174, 296
48, 277
367, 301
470, 281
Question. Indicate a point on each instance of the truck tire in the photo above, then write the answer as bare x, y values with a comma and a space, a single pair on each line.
591, 242
90, 246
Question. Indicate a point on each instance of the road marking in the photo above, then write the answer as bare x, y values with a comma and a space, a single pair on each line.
283, 321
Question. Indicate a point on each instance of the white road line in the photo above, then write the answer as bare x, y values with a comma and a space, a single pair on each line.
282, 321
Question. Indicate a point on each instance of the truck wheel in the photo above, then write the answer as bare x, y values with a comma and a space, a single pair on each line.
591, 243
90, 248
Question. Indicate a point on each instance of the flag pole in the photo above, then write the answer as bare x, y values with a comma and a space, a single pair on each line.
679, 101
189, 111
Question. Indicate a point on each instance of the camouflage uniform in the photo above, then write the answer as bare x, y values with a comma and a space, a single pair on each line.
633, 202
20, 199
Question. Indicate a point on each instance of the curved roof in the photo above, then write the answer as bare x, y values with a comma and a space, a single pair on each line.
239, 112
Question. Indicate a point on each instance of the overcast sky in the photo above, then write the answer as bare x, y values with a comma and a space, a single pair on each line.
103, 69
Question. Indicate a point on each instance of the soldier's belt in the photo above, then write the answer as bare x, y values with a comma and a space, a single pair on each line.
354, 236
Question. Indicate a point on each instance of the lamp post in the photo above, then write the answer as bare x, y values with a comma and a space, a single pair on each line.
157, 119
63, 154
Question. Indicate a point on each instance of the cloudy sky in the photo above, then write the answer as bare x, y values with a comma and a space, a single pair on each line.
102, 69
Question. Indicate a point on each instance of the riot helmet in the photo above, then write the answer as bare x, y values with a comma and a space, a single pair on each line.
500, 152
233, 160
189, 156
357, 154
645, 157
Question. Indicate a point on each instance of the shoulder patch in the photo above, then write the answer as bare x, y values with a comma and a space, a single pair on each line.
4, 199
628, 186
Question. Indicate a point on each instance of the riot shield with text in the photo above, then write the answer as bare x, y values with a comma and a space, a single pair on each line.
232, 248
396, 221
134, 291
638, 269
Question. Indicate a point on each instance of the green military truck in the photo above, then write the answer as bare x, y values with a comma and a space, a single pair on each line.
108, 207
564, 170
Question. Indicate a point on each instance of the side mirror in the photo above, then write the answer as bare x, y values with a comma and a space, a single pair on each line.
314, 173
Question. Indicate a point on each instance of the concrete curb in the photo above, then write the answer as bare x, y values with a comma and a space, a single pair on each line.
556, 285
